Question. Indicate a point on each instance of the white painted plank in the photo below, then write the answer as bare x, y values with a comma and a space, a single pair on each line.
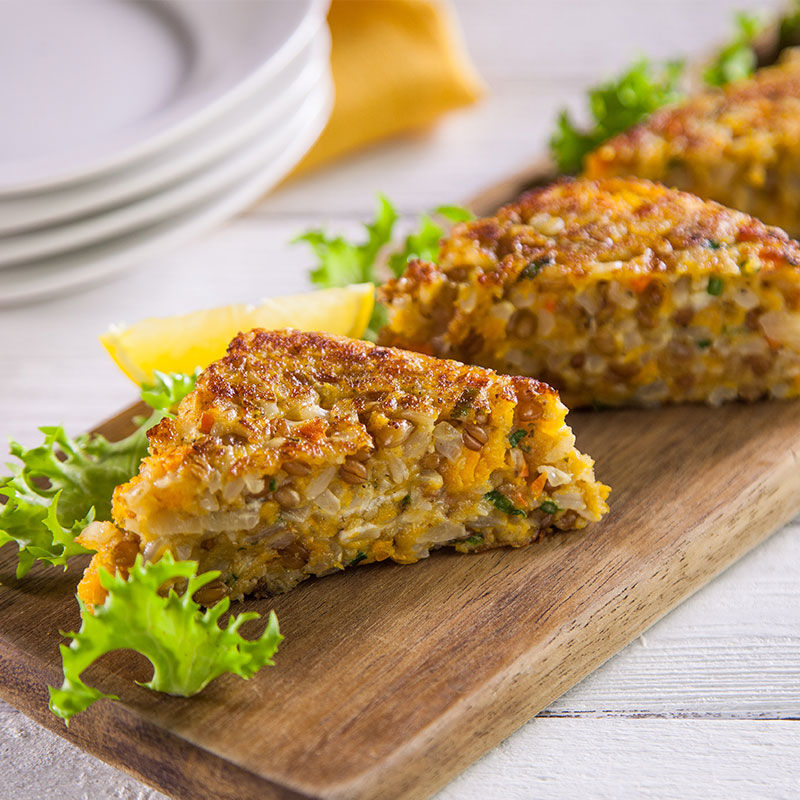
732, 650
38, 765
649, 759
602, 759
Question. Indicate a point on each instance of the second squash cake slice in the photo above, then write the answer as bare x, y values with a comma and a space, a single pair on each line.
299, 454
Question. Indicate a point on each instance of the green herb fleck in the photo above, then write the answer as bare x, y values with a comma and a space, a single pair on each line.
405, 502
713, 244
464, 403
715, 285
473, 540
549, 507
272, 484
515, 437
703, 343
533, 268
502, 503
615, 106
358, 559
737, 59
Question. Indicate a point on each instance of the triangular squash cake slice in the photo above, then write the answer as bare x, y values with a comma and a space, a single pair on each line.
300, 454
616, 291
739, 145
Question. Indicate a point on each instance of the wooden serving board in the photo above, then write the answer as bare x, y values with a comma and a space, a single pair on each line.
393, 678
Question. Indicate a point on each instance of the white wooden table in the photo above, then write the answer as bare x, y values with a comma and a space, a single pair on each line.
707, 703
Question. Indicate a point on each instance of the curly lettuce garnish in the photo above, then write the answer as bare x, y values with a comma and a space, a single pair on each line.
63, 484
34, 526
342, 262
186, 646
789, 26
615, 106
737, 59
619, 104
168, 389
423, 243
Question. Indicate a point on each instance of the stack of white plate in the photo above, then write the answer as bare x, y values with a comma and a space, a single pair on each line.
131, 126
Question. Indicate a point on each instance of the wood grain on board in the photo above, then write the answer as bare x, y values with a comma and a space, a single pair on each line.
393, 678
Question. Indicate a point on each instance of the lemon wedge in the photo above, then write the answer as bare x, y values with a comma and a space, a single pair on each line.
182, 343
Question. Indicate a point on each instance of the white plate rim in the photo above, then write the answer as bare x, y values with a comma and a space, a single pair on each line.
165, 168
309, 25
152, 242
64, 239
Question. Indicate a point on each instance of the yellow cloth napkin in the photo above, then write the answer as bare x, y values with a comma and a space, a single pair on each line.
397, 66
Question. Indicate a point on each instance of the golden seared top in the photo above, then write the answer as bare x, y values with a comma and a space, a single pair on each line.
576, 228
755, 119
280, 394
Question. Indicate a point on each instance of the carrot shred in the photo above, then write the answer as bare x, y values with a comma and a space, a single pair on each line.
538, 484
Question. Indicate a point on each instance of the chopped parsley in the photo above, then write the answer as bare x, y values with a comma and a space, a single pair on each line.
405, 502
502, 503
464, 403
515, 437
533, 268
360, 556
703, 343
713, 244
715, 285
272, 484
473, 540
549, 507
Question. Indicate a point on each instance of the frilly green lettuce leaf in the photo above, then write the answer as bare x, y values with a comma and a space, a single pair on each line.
737, 60
423, 243
64, 483
168, 389
185, 645
342, 263
615, 106
60, 486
